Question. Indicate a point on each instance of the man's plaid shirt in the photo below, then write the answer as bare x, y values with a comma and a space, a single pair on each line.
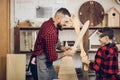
106, 62
46, 41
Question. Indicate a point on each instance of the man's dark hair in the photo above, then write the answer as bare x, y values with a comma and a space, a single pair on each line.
107, 31
64, 11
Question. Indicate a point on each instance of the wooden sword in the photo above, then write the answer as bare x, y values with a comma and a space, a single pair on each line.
80, 39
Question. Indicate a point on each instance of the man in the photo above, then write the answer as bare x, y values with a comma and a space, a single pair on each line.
105, 64
45, 45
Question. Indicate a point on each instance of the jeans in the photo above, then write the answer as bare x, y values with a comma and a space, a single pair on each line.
33, 69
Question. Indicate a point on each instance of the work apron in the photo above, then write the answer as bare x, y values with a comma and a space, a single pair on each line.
44, 70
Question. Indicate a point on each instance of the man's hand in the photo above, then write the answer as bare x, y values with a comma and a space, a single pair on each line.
70, 52
65, 48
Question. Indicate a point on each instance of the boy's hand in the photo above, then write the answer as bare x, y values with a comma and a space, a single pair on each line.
85, 60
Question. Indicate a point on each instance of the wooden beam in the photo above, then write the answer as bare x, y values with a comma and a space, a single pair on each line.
4, 35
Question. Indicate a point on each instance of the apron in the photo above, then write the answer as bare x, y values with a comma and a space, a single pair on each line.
45, 69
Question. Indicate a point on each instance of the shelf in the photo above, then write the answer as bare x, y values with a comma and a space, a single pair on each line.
27, 28
96, 51
17, 35
58, 51
24, 52
37, 28
21, 33
103, 27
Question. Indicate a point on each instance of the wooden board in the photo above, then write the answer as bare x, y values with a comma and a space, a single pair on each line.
67, 70
93, 11
16, 66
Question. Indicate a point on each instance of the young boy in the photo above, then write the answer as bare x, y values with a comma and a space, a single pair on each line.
105, 64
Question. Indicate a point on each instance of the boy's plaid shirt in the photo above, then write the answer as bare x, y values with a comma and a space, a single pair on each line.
106, 60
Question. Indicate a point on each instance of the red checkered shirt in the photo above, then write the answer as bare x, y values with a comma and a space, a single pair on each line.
46, 41
106, 62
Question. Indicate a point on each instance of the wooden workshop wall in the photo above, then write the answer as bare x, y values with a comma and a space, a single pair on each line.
4, 36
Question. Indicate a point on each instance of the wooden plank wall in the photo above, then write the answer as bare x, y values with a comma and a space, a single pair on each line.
4, 35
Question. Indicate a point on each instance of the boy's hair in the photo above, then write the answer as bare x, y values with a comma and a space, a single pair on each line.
107, 31
64, 11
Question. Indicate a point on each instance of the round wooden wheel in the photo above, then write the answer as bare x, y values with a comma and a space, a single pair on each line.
93, 11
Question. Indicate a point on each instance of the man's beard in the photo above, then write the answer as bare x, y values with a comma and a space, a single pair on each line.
59, 27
